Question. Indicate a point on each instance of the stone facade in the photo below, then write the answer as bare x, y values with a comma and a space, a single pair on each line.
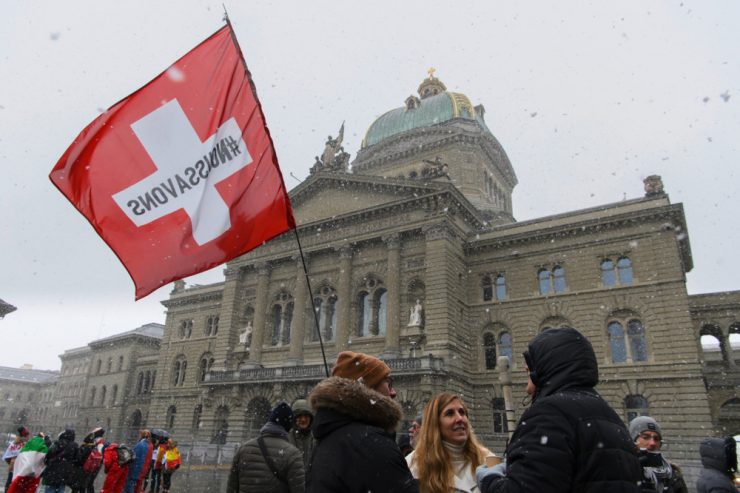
25, 397
415, 256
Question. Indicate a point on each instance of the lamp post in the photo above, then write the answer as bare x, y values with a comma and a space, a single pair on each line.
504, 377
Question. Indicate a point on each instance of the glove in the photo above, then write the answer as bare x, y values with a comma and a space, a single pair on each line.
487, 474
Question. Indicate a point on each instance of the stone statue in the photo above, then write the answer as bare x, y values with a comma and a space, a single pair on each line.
653, 185
246, 336
415, 317
332, 147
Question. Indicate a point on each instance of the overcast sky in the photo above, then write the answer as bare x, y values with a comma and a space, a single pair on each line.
587, 99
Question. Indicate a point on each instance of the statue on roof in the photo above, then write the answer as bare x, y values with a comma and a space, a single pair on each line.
653, 186
334, 157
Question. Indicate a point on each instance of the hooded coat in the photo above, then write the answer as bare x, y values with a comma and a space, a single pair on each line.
303, 439
60, 460
719, 458
356, 451
251, 474
569, 440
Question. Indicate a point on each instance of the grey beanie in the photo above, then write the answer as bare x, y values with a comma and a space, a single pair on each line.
644, 423
300, 406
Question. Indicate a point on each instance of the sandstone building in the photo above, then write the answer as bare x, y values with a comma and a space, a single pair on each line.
414, 255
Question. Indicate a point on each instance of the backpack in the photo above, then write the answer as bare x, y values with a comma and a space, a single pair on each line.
93, 461
125, 455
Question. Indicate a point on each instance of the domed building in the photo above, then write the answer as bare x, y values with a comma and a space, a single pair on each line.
414, 255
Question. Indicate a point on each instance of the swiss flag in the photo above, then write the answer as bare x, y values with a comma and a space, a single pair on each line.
182, 175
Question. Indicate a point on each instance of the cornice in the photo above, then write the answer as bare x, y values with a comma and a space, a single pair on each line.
192, 299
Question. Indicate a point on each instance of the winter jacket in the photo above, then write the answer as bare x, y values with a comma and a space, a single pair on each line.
569, 440
159, 458
142, 452
251, 474
115, 475
658, 475
172, 459
356, 451
60, 460
302, 439
719, 458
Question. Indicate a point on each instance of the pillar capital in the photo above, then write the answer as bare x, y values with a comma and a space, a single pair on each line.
392, 241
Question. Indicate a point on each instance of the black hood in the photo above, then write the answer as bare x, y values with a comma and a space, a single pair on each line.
560, 359
719, 454
67, 436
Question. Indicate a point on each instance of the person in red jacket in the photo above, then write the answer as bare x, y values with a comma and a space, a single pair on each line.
115, 474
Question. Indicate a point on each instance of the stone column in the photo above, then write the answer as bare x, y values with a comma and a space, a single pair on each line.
298, 327
228, 322
344, 301
393, 283
260, 308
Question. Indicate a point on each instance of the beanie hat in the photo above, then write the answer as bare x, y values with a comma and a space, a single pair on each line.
644, 423
300, 408
367, 369
282, 415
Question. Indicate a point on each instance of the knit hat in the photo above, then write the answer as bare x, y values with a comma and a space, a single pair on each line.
300, 408
644, 423
367, 369
282, 415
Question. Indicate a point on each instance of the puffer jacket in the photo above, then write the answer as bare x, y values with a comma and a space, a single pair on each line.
60, 460
569, 440
719, 458
251, 474
356, 450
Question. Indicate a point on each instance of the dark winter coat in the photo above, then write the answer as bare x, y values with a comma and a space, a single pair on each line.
719, 458
60, 460
569, 440
251, 474
659, 475
356, 451
302, 439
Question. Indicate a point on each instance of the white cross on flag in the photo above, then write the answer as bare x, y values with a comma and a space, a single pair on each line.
182, 175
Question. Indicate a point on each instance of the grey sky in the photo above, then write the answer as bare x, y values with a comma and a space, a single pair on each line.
587, 99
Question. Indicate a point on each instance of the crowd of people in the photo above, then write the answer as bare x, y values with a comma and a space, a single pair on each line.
54, 465
343, 438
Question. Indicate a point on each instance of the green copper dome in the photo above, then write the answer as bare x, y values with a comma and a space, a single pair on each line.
435, 106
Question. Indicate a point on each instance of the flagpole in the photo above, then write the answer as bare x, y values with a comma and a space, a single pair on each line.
313, 306
295, 229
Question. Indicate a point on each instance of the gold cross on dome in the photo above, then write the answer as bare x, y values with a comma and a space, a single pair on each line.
431, 72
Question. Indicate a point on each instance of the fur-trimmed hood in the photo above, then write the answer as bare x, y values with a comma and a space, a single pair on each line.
355, 402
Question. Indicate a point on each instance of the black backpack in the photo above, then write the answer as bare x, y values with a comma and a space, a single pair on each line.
125, 455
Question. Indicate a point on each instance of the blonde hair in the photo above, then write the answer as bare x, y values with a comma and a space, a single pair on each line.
431, 458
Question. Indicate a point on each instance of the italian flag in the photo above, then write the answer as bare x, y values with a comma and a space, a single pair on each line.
30, 462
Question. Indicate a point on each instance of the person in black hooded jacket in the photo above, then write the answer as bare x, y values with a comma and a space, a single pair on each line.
60, 461
570, 439
719, 458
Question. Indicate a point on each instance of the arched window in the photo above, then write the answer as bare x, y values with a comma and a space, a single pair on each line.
178, 371
204, 366
608, 273
92, 397
140, 383
487, 286
558, 279
634, 406
634, 349
109, 366
103, 391
489, 350
498, 407
543, 276
186, 329
282, 318
372, 302
500, 287
212, 325
624, 269
326, 308
257, 412
98, 366
197, 414
113, 395
120, 363
221, 428
505, 346
170, 419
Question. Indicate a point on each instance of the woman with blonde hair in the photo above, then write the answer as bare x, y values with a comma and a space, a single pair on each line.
447, 451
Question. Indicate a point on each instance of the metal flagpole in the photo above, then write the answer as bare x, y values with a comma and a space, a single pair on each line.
504, 376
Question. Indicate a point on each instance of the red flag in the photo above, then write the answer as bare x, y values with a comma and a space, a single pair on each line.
182, 175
